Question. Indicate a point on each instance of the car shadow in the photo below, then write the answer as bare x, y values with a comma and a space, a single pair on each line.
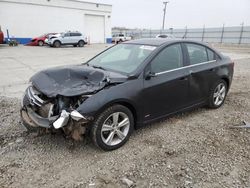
59, 141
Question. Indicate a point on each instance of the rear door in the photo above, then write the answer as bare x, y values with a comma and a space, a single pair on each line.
167, 91
74, 37
202, 71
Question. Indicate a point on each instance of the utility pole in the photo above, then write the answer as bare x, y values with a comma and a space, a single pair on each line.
164, 15
241, 32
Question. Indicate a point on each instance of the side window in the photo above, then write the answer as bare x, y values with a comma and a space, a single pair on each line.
75, 34
67, 34
211, 55
121, 35
197, 53
168, 59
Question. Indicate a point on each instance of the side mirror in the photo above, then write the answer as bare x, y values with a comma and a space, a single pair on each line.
149, 75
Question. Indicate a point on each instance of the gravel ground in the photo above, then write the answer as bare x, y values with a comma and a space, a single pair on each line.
194, 149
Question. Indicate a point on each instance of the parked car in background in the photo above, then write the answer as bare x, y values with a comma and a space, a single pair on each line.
125, 87
118, 38
1, 36
68, 38
51, 37
168, 36
40, 41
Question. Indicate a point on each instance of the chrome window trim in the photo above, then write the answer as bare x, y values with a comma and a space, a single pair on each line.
206, 62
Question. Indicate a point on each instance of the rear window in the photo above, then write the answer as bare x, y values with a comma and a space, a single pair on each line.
197, 53
212, 55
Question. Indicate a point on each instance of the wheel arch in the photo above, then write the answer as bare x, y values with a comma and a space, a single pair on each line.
226, 79
131, 108
125, 103
57, 40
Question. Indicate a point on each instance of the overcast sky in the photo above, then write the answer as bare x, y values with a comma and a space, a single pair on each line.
180, 13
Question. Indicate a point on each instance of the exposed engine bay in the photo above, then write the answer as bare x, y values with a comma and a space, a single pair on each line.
52, 99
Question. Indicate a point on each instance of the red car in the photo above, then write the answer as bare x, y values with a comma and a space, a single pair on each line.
39, 41
1, 36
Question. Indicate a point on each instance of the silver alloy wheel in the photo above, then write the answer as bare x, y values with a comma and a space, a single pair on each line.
219, 94
115, 128
57, 44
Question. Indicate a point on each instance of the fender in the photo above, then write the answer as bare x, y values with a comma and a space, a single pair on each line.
114, 94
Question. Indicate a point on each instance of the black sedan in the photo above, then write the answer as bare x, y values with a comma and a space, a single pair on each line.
125, 87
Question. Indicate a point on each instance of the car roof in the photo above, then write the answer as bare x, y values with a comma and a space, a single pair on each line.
160, 41
165, 41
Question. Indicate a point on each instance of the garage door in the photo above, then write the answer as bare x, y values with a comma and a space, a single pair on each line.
95, 28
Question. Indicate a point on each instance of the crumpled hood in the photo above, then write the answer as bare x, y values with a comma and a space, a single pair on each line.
74, 80
55, 35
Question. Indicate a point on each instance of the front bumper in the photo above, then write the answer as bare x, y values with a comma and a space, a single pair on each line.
31, 118
49, 42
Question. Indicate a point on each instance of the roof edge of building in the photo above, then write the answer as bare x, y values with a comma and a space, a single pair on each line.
70, 4
90, 2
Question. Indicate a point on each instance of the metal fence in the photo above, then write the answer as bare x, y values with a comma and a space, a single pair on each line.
230, 35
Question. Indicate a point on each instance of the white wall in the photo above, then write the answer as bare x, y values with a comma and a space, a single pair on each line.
26, 19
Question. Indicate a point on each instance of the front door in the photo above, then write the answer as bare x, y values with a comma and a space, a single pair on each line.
66, 39
167, 91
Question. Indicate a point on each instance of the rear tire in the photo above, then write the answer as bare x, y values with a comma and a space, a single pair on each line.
218, 94
81, 43
112, 128
120, 41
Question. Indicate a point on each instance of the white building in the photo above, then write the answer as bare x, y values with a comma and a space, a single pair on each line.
26, 19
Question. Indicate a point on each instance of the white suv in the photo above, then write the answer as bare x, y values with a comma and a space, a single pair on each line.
68, 38
117, 38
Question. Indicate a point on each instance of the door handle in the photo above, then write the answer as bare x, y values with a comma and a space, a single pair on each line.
191, 72
183, 78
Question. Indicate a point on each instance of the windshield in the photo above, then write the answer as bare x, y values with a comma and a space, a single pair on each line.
124, 58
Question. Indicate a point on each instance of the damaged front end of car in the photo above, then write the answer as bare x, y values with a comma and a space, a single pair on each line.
54, 113
55, 95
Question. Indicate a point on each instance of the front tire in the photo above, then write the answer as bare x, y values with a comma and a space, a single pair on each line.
57, 44
40, 43
218, 94
112, 128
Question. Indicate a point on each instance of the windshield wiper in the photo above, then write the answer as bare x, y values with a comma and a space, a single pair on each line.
98, 67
